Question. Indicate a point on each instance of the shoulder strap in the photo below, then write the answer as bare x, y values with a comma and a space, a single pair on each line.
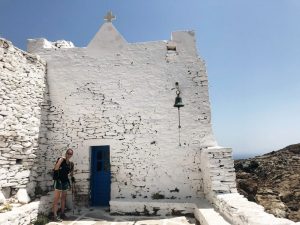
57, 161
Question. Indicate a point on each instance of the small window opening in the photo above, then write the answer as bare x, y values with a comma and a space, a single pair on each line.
19, 161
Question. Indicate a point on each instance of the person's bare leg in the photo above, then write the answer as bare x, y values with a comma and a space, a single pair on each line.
55, 202
63, 201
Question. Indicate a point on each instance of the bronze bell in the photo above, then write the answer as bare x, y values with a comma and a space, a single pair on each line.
178, 100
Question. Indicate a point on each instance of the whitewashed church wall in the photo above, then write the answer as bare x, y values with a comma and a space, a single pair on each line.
124, 98
22, 86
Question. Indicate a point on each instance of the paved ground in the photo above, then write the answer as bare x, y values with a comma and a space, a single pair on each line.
101, 216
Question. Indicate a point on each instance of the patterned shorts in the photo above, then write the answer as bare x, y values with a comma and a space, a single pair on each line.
61, 186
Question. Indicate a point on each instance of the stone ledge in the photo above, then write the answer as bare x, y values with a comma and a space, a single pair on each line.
201, 210
238, 210
209, 217
151, 208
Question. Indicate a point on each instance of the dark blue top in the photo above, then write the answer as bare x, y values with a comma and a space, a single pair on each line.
64, 170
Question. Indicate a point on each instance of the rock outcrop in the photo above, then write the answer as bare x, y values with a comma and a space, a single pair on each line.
273, 181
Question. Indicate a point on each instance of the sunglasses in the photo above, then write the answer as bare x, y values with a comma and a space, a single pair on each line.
69, 153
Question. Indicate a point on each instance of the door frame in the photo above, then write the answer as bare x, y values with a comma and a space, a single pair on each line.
91, 171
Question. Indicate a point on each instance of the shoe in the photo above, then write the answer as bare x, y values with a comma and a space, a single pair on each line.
56, 219
63, 216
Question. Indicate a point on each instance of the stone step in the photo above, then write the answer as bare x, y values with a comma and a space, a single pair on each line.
202, 210
207, 215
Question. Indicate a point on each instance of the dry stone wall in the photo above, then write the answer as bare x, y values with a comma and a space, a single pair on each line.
218, 171
22, 86
220, 190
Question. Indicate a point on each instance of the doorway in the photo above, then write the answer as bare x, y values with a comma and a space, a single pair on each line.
100, 175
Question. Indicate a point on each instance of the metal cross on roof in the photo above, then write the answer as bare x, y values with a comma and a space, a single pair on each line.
109, 17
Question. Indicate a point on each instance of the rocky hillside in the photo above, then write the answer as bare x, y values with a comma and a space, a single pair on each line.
273, 181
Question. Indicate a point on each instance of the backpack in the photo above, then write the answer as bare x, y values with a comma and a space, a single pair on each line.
55, 173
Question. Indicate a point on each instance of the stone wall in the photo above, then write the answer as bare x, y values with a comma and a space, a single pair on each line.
218, 171
122, 95
239, 211
220, 189
22, 86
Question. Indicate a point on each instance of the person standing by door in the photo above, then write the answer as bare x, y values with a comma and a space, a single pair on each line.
62, 169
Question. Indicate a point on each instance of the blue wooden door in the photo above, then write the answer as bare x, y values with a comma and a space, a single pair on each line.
100, 178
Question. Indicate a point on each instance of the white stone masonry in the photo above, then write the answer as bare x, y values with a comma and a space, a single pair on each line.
122, 95
22, 85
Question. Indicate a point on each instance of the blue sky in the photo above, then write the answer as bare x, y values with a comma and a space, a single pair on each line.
251, 49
